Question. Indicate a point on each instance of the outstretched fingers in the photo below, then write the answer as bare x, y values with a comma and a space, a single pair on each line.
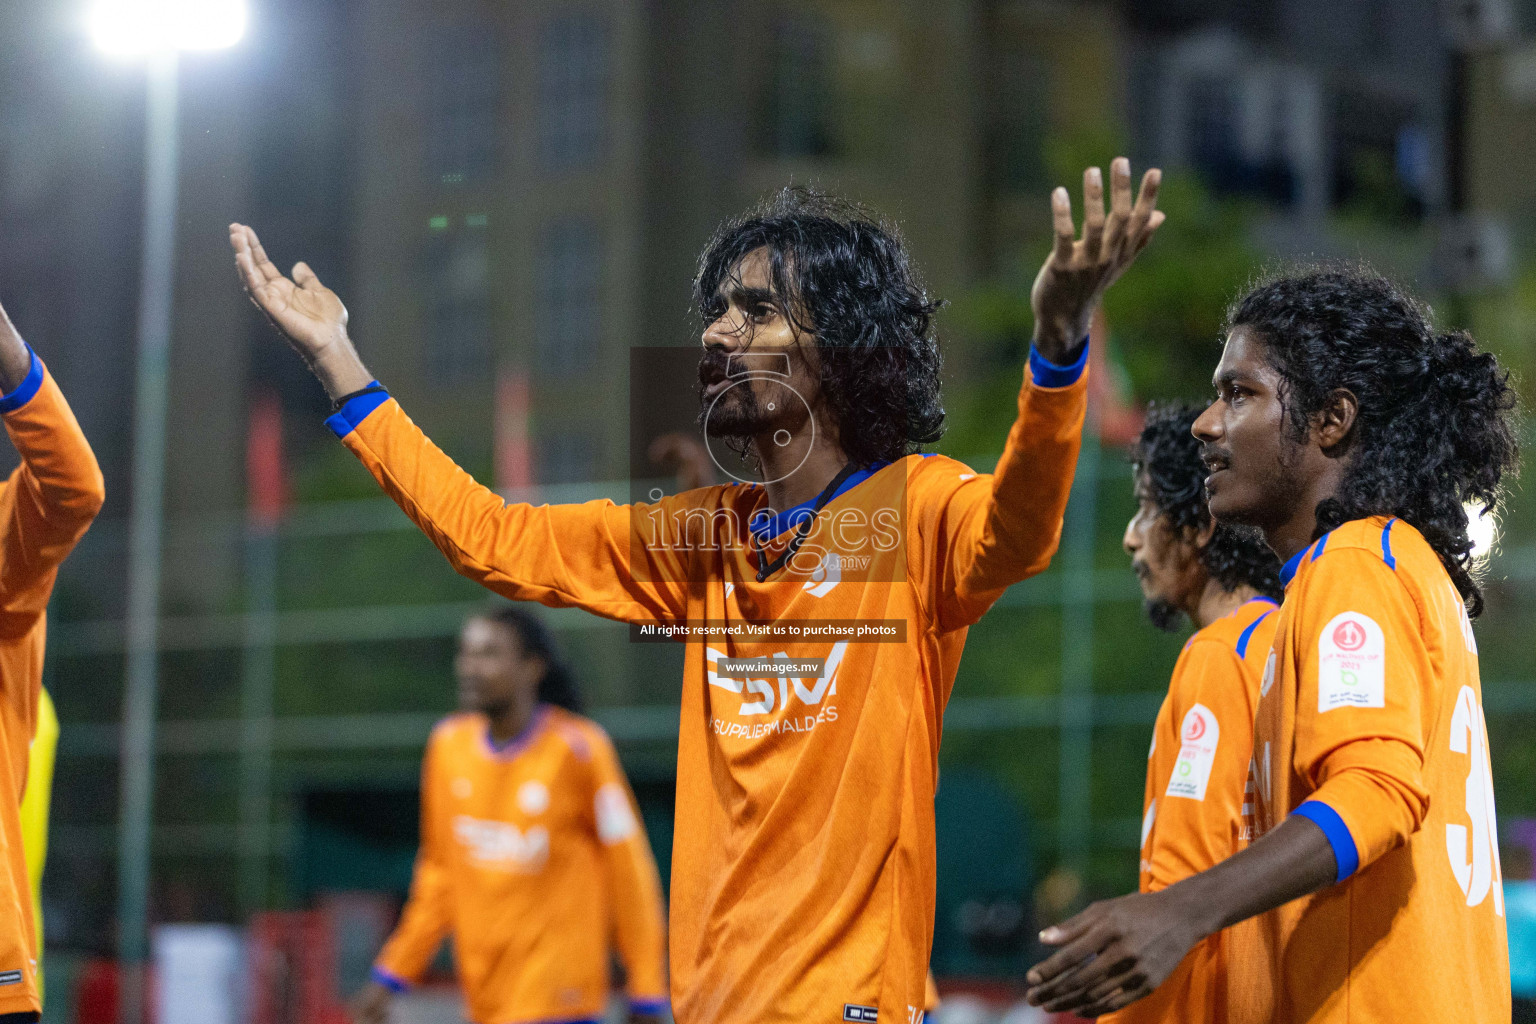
245, 261
1093, 213
1119, 203
1061, 223
265, 266
1077, 941
1151, 229
1112, 995
1109, 976
1145, 216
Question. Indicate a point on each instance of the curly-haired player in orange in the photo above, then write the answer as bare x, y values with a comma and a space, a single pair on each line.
803, 865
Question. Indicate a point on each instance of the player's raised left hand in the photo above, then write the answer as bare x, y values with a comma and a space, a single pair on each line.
310, 315
1112, 954
1078, 271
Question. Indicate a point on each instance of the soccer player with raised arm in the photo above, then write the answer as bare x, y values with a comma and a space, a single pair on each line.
532, 856
803, 859
46, 505
1227, 582
1353, 434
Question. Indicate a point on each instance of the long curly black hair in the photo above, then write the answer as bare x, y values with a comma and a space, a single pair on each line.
1166, 460
842, 275
1436, 422
558, 685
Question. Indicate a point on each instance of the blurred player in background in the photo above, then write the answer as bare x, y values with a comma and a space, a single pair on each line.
1354, 435
1227, 582
803, 865
532, 856
46, 506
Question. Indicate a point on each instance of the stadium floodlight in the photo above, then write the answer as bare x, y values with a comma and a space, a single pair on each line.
1482, 530
157, 31
140, 27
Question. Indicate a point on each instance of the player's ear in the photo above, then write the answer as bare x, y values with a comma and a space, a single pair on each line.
1204, 533
1331, 425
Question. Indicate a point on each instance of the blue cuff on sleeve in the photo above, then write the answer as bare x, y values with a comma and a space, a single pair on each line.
1327, 819
1049, 375
390, 981
654, 1007
344, 421
27, 388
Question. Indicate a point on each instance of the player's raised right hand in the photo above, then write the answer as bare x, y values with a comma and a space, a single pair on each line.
308, 313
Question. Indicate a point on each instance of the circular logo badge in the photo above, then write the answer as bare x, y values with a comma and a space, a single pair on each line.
1349, 635
533, 797
1196, 728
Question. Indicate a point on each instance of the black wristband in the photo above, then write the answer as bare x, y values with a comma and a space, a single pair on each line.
372, 389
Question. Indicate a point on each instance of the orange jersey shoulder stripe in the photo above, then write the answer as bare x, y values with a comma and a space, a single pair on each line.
1370, 723
803, 870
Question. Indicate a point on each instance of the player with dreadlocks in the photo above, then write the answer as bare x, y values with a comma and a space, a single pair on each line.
803, 862
1227, 582
532, 856
1354, 435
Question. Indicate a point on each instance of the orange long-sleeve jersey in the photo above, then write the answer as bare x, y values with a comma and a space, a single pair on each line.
1370, 723
803, 861
45, 507
533, 858
1192, 814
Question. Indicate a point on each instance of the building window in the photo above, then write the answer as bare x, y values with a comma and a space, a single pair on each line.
573, 91
464, 103
567, 457
799, 91
569, 303
458, 346
1239, 136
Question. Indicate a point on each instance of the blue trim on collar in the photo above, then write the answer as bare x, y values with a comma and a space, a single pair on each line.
1386, 545
515, 745
1288, 570
1345, 853
1247, 634
765, 527
28, 388
349, 416
1047, 374
1322, 542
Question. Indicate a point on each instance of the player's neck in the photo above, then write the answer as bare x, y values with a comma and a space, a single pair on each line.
1216, 602
1295, 533
796, 482
509, 723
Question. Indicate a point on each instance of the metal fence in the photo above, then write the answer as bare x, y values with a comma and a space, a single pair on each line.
1087, 580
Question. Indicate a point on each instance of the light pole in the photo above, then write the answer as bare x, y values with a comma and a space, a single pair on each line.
156, 31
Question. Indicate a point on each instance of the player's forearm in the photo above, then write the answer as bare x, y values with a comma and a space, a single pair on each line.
1061, 339
340, 369
1292, 861
15, 358
1031, 484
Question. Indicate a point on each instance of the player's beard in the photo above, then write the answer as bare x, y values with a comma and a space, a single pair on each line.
1165, 615
735, 416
